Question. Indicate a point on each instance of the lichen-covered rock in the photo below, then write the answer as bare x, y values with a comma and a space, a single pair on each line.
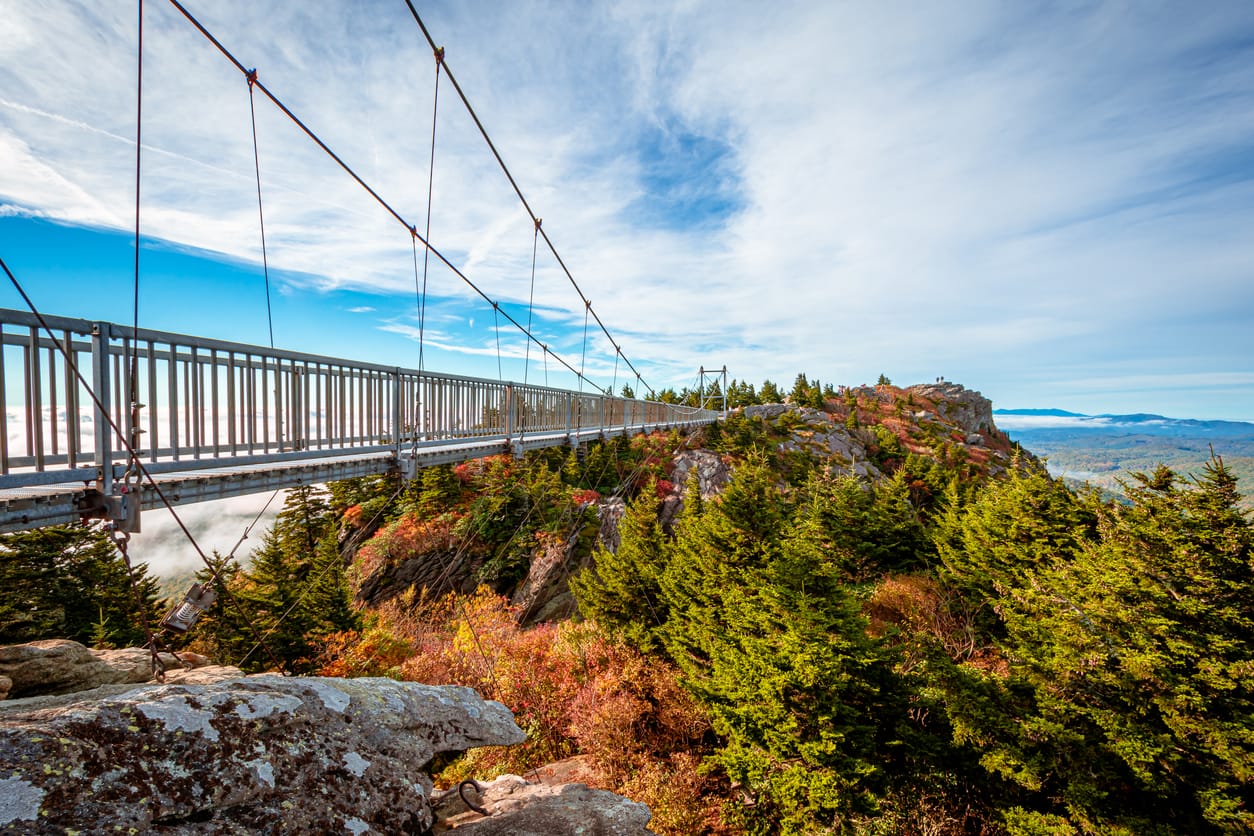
768, 412
440, 572
610, 513
202, 676
247, 755
134, 664
519, 808
544, 594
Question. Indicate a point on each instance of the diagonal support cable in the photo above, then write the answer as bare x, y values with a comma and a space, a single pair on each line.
361, 182
517, 190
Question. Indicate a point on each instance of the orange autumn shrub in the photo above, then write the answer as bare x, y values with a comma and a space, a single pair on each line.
372, 651
353, 516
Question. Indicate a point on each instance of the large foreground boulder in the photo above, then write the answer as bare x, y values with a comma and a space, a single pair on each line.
246, 755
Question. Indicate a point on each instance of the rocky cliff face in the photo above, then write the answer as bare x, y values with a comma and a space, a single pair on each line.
964, 407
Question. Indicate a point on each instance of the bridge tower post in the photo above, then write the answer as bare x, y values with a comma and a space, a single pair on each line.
715, 376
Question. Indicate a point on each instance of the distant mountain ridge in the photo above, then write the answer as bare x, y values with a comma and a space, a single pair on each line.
1056, 413
1140, 422
1104, 449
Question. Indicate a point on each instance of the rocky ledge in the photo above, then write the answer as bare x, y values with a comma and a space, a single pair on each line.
266, 754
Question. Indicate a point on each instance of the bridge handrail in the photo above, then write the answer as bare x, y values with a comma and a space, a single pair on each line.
208, 401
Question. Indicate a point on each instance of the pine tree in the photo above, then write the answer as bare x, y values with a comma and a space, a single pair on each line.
294, 593
1129, 684
801, 390
439, 490
769, 393
773, 645
620, 592
864, 530
989, 546
71, 582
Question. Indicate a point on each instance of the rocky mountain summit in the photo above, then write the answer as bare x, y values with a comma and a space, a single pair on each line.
868, 427
263, 753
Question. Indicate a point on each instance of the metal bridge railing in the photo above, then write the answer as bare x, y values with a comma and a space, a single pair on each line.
210, 404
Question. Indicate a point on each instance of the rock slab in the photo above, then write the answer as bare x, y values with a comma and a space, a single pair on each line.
247, 755
519, 808
61, 666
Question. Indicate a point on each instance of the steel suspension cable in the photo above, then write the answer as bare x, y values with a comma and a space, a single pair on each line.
496, 328
426, 252
261, 215
361, 182
117, 535
584, 356
531, 299
509, 176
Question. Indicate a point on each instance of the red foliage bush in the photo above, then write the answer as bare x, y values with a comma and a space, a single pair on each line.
584, 496
407, 538
476, 471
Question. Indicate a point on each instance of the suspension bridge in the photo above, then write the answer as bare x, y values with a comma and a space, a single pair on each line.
101, 419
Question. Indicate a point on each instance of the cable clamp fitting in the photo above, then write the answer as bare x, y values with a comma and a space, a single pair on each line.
538, 222
439, 55
251, 75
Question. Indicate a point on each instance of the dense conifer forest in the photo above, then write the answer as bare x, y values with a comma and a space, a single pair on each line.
954, 643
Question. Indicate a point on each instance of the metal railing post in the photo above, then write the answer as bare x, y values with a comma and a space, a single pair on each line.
396, 411
509, 412
100, 335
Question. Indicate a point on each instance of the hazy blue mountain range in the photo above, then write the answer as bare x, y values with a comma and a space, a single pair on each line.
1103, 449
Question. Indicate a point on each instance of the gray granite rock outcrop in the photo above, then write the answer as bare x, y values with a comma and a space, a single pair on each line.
954, 402
245, 755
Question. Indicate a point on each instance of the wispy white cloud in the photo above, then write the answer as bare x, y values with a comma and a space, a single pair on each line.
1022, 198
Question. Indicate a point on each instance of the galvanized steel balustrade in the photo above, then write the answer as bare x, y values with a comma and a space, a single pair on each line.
208, 404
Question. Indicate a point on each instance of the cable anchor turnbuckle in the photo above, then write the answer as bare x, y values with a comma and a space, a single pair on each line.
181, 617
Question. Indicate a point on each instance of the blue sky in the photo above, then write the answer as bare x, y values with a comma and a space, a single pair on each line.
1052, 204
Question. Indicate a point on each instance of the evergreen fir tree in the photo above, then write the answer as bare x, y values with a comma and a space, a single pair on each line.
70, 582
1126, 702
439, 490
621, 590
770, 393
775, 648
